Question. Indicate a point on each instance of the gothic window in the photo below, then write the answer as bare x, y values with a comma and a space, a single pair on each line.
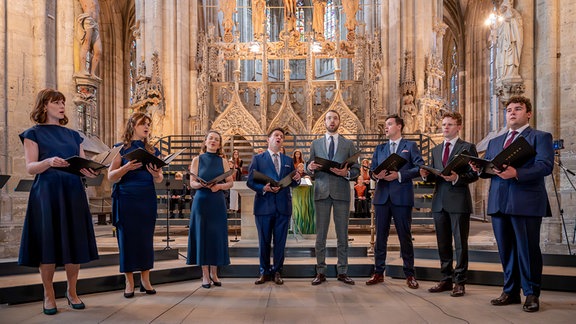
133, 71
453, 97
330, 20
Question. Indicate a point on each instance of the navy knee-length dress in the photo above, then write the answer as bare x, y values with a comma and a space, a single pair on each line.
58, 225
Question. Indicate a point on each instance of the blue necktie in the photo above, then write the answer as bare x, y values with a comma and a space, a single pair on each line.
331, 148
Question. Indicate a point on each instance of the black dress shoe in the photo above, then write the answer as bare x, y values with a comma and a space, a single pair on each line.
506, 299
441, 286
216, 283
278, 279
320, 278
375, 279
532, 304
458, 291
345, 279
147, 291
207, 286
412, 283
128, 294
80, 305
263, 278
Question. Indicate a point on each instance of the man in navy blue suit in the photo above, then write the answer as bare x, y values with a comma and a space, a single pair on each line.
394, 198
517, 201
272, 205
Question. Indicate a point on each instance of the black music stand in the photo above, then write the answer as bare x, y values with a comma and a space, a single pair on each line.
94, 182
24, 185
3, 179
168, 185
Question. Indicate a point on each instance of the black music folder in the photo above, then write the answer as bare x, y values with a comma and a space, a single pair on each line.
141, 155
98, 162
393, 163
325, 164
3, 179
458, 164
283, 183
214, 180
516, 154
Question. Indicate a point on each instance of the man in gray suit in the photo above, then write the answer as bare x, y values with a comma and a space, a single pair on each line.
451, 205
332, 192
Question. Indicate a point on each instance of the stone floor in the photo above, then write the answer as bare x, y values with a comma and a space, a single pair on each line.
240, 301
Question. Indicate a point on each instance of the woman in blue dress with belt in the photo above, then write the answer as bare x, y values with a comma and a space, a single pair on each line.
208, 239
58, 225
134, 204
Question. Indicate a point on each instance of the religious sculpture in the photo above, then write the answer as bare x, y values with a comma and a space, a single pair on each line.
350, 8
409, 113
228, 7
258, 12
510, 41
89, 36
318, 18
290, 14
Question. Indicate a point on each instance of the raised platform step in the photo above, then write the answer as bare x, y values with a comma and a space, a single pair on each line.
484, 269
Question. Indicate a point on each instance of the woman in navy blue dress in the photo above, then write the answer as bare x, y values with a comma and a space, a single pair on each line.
58, 225
208, 239
134, 204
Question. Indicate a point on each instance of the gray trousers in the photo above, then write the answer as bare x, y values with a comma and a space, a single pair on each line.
341, 214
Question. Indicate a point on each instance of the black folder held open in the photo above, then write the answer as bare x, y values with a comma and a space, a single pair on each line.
458, 164
264, 179
214, 180
325, 164
142, 155
516, 154
98, 162
393, 163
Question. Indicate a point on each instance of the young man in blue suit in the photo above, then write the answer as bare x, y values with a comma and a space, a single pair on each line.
394, 198
272, 205
517, 201
451, 206
332, 192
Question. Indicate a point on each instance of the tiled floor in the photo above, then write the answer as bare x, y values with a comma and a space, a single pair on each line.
240, 301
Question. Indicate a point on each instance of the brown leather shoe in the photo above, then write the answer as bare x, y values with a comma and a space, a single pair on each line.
441, 286
320, 278
263, 278
506, 299
411, 282
376, 278
278, 279
458, 290
345, 279
532, 304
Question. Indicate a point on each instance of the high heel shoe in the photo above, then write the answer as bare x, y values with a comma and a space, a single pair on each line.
216, 283
49, 311
128, 294
147, 291
75, 306
207, 286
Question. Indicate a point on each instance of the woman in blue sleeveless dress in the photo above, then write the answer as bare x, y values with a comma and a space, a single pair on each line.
58, 225
208, 239
134, 204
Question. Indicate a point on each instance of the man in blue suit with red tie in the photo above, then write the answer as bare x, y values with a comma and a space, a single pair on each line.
517, 201
394, 198
272, 205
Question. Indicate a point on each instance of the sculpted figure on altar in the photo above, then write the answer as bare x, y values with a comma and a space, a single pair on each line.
318, 18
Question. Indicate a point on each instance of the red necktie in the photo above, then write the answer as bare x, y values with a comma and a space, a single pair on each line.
511, 139
446, 154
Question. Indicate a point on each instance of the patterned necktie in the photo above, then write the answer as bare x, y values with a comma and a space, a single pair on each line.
276, 163
446, 153
511, 139
331, 148
392, 147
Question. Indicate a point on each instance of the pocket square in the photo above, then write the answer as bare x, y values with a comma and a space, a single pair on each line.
404, 151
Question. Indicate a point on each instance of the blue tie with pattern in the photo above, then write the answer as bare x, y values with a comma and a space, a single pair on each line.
331, 148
